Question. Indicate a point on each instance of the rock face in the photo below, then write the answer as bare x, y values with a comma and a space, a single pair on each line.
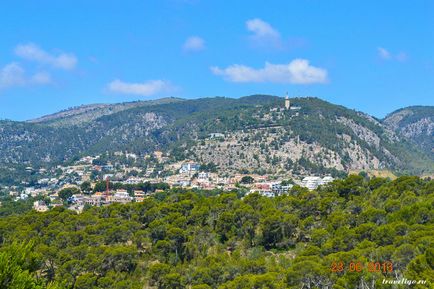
255, 134
415, 123
264, 150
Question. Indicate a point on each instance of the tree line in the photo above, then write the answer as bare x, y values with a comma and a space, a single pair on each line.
186, 239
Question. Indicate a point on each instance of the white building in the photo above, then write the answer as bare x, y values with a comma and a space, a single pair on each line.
131, 155
22, 196
29, 190
313, 182
203, 176
189, 167
287, 102
327, 179
216, 135
279, 190
120, 196
265, 193
134, 180
43, 181
108, 176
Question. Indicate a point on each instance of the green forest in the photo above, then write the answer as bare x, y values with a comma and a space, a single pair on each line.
191, 239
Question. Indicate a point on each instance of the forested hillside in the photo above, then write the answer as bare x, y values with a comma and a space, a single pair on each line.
87, 113
181, 239
415, 123
258, 132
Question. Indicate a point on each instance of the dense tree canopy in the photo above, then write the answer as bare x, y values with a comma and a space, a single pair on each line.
66, 193
185, 239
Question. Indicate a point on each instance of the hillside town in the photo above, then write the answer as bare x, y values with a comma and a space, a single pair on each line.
115, 175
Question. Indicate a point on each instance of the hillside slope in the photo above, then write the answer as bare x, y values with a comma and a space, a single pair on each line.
86, 113
415, 123
258, 135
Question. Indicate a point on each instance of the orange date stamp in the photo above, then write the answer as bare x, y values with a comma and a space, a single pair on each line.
357, 266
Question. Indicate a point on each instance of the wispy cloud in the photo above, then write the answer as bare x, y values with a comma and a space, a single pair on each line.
263, 34
260, 28
298, 71
13, 74
385, 54
194, 44
147, 88
41, 78
33, 52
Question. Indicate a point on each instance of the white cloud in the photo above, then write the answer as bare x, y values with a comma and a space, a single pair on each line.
261, 28
11, 75
14, 75
298, 71
194, 44
385, 54
41, 78
32, 52
147, 88
263, 34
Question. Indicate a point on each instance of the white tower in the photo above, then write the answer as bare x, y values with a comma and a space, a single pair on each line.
287, 102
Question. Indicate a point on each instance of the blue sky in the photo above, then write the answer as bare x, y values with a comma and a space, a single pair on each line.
373, 56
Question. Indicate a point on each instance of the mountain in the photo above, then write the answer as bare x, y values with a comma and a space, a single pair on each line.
87, 113
249, 134
415, 123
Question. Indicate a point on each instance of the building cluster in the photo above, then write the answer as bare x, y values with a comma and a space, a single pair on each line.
78, 201
270, 189
130, 169
203, 180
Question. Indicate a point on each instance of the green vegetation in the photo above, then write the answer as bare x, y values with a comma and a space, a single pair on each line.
18, 265
144, 187
175, 126
86, 187
12, 207
416, 123
66, 193
185, 239
247, 180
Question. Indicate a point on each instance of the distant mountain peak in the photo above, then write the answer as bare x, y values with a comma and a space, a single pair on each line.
259, 135
88, 112
416, 123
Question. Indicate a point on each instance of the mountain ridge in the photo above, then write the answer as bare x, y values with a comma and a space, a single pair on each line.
415, 123
96, 110
260, 135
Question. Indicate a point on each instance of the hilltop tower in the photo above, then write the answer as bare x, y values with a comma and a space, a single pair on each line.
287, 102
